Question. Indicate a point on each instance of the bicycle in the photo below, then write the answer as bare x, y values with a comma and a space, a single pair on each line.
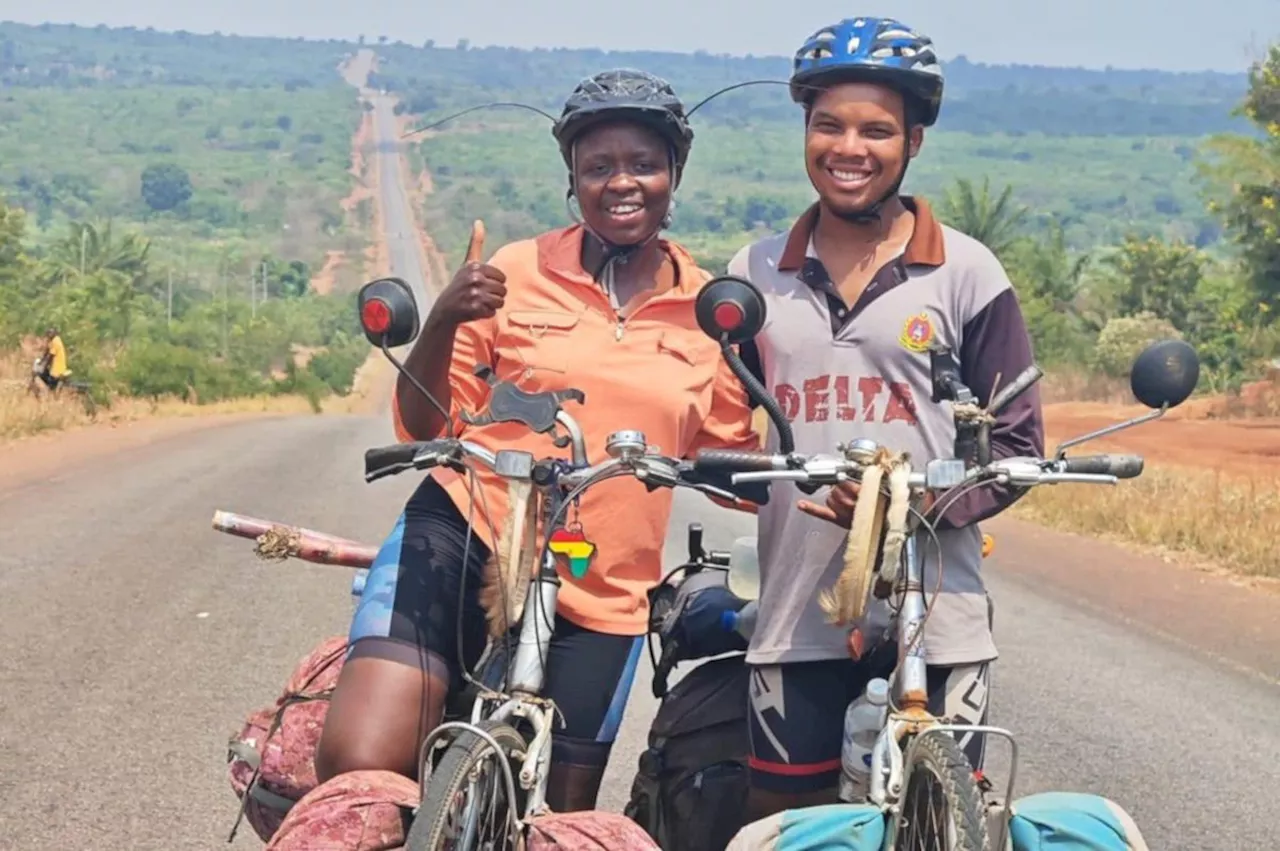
39, 389
911, 757
508, 717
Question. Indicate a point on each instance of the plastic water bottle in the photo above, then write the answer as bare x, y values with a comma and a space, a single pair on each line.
862, 723
742, 621
744, 560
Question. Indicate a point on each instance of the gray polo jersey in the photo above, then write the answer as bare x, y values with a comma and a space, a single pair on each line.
840, 372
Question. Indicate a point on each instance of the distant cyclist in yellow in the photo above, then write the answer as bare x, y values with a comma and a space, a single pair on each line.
55, 360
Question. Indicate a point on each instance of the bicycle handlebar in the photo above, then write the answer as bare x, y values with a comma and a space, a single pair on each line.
422, 455
1120, 466
942, 474
651, 469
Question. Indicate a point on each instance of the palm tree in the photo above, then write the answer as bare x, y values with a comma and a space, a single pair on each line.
1052, 271
87, 250
98, 276
996, 224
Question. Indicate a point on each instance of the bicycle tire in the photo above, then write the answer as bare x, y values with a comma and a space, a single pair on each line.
939, 758
452, 776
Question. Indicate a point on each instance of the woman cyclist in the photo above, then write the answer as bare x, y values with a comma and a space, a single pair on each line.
606, 306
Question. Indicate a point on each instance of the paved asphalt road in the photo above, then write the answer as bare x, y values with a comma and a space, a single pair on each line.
137, 639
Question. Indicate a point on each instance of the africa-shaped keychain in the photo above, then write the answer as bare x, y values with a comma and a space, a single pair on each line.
570, 543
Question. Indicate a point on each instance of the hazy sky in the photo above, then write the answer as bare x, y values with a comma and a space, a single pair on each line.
1170, 34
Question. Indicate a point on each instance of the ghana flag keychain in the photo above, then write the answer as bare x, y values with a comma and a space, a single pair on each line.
569, 542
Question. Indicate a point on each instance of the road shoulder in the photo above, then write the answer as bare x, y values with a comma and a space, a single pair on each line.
1230, 619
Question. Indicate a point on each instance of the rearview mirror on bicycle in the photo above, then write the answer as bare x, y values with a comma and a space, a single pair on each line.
1165, 374
388, 313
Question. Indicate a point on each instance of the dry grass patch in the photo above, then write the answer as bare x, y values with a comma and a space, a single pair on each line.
1233, 521
22, 414
1206, 515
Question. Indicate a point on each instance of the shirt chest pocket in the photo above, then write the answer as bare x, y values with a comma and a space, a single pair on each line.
538, 345
687, 362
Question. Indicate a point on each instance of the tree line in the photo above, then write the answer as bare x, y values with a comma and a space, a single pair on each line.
132, 329
1098, 308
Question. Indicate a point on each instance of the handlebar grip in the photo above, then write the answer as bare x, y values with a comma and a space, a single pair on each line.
384, 460
733, 461
1120, 466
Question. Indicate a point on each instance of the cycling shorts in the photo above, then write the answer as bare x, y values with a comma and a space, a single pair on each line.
427, 575
797, 715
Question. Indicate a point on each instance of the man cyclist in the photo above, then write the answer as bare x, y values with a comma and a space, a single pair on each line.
856, 292
55, 369
606, 306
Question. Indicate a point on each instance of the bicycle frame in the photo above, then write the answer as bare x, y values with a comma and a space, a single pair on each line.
526, 671
896, 743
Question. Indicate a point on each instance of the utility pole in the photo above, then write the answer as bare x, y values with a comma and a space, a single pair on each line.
223, 275
170, 320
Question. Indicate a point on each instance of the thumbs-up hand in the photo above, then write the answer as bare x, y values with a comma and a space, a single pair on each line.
477, 289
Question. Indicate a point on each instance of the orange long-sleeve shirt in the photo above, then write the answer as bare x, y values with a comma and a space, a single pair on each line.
654, 371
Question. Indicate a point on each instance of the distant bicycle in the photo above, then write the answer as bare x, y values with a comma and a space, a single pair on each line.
39, 387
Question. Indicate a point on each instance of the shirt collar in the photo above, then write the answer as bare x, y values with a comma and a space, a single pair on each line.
924, 248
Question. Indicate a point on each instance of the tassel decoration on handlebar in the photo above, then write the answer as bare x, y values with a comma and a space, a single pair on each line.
846, 602
896, 516
509, 571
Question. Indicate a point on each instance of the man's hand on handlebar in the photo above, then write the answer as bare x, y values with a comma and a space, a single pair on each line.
838, 509
842, 498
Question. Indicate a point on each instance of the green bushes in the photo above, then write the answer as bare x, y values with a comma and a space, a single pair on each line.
336, 366
156, 369
1124, 337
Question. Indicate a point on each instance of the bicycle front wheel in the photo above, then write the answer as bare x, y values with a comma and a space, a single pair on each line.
942, 808
466, 806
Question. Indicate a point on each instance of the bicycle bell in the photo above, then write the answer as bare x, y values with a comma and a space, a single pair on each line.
626, 444
861, 450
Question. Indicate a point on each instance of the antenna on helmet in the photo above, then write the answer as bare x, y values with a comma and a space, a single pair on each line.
714, 95
787, 83
449, 118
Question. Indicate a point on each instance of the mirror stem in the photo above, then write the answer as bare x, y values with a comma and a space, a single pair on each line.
448, 421
757, 391
1061, 451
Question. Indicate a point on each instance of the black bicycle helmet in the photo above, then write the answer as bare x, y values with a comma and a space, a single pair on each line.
625, 93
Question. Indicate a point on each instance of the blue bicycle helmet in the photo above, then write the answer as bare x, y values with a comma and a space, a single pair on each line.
873, 50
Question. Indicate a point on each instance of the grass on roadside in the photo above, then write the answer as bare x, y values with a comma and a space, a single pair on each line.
22, 415
1233, 521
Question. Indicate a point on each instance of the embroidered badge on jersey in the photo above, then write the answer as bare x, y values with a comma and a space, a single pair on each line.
917, 333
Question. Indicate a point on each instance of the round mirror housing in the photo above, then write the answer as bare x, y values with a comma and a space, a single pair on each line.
388, 312
729, 306
1164, 374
